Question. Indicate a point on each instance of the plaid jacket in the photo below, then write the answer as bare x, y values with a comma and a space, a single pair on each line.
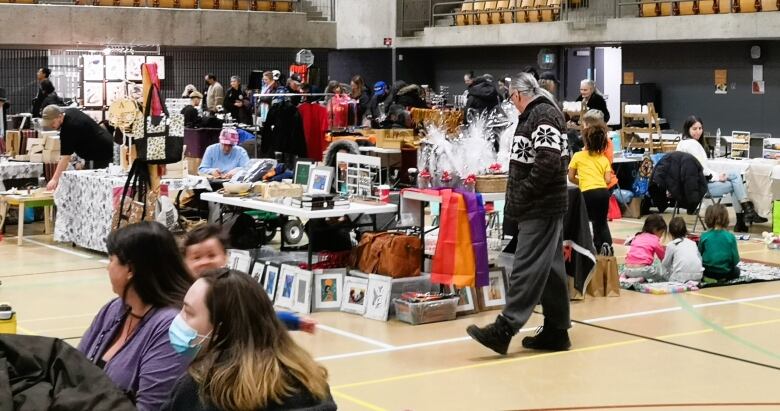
537, 170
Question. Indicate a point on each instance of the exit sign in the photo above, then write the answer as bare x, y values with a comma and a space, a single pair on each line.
388, 41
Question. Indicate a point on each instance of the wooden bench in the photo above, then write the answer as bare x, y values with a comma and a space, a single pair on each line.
21, 202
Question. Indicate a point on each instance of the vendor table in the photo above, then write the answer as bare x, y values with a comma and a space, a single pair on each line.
21, 201
289, 211
85, 206
762, 177
15, 170
383, 154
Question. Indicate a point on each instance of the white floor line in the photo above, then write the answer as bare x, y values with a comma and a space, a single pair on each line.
461, 339
104, 261
54, 247
353, 336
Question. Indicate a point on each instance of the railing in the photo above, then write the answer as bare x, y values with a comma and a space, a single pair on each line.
655, 8
243, 5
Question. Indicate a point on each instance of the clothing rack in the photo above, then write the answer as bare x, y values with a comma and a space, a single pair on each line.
293, 94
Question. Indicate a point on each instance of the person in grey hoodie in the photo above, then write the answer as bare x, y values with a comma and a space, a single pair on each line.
682, 262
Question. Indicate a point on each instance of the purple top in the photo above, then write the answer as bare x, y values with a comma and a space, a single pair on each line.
146, 367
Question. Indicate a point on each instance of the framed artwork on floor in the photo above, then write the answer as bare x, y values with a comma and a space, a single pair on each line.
354, 295
270, 279
378, 297
285, 296
328, 289
493, 296
239, 260
257, 272
468, 300
303, 288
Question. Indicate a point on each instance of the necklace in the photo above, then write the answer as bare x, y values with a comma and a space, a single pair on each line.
130, 328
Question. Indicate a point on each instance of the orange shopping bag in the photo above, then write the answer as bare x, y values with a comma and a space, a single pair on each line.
443, 265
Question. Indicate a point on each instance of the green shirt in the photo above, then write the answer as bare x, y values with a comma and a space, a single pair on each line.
719, 252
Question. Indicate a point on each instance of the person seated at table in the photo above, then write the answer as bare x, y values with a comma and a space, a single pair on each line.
224, 159
128, 338
719, 184
205, 249
592, 98
192, 111
79, 134
244, 358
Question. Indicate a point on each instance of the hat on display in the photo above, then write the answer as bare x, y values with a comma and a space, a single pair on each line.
548, 75
380, 87
196, 94
49, 114
228, 136
276, 75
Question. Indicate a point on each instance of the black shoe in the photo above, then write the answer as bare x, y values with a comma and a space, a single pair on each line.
740, 226
495, 336
751, 216
548, 339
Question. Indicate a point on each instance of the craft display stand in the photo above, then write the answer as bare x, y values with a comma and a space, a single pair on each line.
629, 135
358, 176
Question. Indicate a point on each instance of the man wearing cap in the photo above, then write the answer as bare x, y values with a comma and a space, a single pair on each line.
215, 94
237, 102
224, 159
191, 112
380, 92
79, 134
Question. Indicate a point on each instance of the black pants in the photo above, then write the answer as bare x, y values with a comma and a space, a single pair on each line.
597, 203
734, 273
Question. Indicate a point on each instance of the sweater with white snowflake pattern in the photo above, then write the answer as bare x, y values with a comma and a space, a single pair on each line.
537, 171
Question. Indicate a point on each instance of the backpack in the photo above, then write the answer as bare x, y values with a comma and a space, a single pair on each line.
642, 181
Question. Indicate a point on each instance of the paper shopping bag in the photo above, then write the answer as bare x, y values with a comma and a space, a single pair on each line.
595, 287
611, 278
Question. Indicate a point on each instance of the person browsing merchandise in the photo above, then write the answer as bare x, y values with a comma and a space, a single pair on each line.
215, 94
237, 102
81, 135
224, 159
191, 112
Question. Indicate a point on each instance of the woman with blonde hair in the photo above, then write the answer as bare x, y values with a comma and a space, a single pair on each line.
244, 358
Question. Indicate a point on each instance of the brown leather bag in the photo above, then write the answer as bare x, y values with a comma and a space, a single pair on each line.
391, 254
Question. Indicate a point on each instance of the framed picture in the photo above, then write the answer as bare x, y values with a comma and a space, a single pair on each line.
328, 287
115, 67
93, 67
96, 115
302, 172
257, 272
378, 297
160, 61
321, 180
115, 90
354, 295
239, 260
468, 301
270, 279
303, 288
133, 67
493, 296
285, 296
93, 94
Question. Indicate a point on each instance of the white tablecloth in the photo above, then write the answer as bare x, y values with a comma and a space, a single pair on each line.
84, 201
762, 178
11, 169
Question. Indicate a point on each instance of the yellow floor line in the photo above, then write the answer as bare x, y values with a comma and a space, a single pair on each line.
544, 355
714, 297
357, 401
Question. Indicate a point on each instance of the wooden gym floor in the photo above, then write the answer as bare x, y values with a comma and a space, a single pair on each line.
714, 349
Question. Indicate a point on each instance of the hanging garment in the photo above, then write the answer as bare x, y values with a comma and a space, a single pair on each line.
301, 70
465, 263
476, 218
338, 112
150, 78
315, 125
283, 131
443, 265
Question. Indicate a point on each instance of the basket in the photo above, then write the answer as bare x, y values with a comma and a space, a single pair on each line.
492, 183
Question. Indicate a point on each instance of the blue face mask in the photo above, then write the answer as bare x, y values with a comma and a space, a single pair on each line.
182, 337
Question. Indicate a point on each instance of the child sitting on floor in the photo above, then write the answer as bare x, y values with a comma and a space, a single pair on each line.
718, 246
682, 262
646, 251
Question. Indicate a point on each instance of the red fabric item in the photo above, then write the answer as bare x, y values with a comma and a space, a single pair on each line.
315, 126
150, 70
443, 265
301, 70
614, 210
338, 111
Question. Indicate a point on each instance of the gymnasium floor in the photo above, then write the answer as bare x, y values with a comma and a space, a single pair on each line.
714, 349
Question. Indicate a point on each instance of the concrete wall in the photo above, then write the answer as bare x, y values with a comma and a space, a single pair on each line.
684, 75
54, 25
364, 24
373, 65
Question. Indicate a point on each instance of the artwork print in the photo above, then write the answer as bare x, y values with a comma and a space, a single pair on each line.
93, 94
286, 294
329, 292
93, 67
160, 62
493, 296
303, 291
270, 280
328, 289
133, 67
288, 286
378, 297
354, 295
115, 67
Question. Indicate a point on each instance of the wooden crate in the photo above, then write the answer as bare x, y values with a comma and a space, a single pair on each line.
463, 18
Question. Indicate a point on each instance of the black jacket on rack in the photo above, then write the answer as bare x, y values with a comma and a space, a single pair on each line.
283, 131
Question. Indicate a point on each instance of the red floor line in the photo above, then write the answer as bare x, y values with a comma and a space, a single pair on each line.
607, 407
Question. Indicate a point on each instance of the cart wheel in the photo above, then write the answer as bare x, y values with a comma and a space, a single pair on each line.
292, 231
270, 232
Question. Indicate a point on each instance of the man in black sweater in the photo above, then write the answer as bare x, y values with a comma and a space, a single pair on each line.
536, 199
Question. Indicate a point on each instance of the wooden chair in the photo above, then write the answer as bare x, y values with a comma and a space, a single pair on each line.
185, 4
650, 9
23, 1
478, 7
553, 11
264, 5
283, 6
463, 18
487, 17
497, 17
535, 14
770, 5
218, 4
714, 6
687, 8
521, 16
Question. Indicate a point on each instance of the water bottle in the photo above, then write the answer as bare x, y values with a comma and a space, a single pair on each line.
717, 143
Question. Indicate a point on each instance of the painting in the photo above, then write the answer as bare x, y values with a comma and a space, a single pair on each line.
93, 67
239, 260
493, 296
115, 67
302, 171
467, 303
303, 291
354, 295
270, 279
378, 297
93, 94
285, 296
257, 271
328, 287
320, 181
133, 67
160, 62
115, 90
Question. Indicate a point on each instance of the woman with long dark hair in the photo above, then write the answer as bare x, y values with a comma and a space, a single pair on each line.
360, 93
128, 338
719, 184
244, 358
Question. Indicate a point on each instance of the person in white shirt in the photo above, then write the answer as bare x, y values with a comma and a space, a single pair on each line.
682, 261
720, 184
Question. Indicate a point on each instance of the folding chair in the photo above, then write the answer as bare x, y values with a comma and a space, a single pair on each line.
707, 196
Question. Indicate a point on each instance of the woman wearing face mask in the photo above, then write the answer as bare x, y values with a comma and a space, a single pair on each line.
128, 338
205, 249
244, 359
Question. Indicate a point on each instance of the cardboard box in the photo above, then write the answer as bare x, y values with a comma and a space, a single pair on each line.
36, 158
35, 142
12, 139
51, 156
633, 209
393, 138
52, 143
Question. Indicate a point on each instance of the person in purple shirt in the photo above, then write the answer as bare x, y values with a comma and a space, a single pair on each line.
128, 338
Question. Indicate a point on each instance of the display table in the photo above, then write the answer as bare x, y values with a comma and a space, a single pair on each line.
289, 211
762, 178
21, 201
16, 170
85, 206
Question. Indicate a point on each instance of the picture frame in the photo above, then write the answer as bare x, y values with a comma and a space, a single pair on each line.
93, 67
239, 260
468, 303
258, 269
328, 288
93, 94
271, 279
285, 296
160, 61
115, 90
354, 295
96, 115
133, 67
378, 297
320, 180
115, 67
303, 291
303, 172
493, 296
